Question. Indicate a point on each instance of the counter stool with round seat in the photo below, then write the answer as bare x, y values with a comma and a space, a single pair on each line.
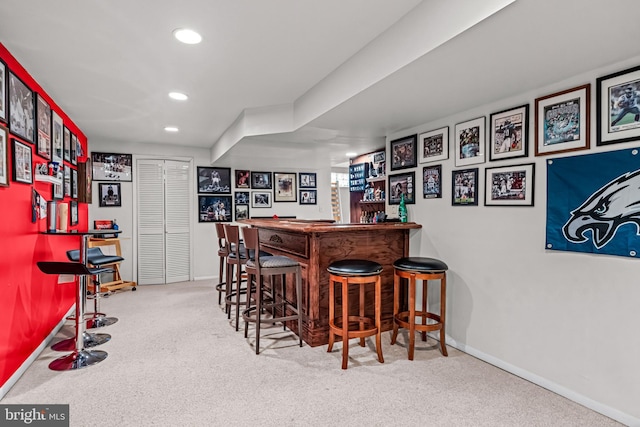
354, 272
260, 264
413, 269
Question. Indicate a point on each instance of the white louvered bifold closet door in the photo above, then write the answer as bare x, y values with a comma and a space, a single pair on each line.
163, 221
177, 224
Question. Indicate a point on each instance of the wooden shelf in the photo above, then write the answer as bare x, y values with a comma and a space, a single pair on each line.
48, 178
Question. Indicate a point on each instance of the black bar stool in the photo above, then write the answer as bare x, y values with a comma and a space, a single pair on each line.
413, 269
357, 272
98, 259
258, 265
223, 253
236, 258
79, 358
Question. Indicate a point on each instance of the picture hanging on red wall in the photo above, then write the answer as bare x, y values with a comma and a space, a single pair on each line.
3, 91
67, 143
74, 152
56, 146
22, 171
4, 159
21, 108
43, 114
73, 218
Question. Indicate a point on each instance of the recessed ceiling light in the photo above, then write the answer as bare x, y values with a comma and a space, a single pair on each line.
351, 154
187, 36
171, 129
178, 96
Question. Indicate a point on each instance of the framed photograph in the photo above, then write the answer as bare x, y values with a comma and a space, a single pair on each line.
470, 142
21, 109
56, 137
464, 186
432, 182
402, 183
261, 180
109, 194
308, 197
66, 137
214, 180
307, 180
241, 212
73, 216
43, 115
403, 153
74, 151
618, 107
434, 145
111, 166
243, 179
21, 165
562, 121
260, 199
241, 198
3, 91
57, 190
67, 181
214, 208
4, 156
285, 183
509, 185
509, 134
74, 183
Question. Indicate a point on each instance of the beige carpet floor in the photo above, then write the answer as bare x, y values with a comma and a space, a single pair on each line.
174, 360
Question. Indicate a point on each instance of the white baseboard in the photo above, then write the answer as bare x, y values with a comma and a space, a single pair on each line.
205, 278
25, 365
599, 407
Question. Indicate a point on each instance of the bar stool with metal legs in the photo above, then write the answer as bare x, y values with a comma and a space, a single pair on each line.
258, 265
80, 357
358, 272
412, 269
223, 253
98, 259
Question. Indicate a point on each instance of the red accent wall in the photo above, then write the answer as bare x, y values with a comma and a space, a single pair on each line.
31, 303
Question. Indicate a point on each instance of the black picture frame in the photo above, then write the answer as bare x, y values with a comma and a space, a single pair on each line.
243, 178
67, 182
21, 165
216, 208
21, 109
110, 194
66, 138
57, 144
73, 212
3, 91
4, 156
469, 141
43, 127
432, 182
434, 145
307, 180
403, 152
616, 117
241, 212
74, 149
74, 183
261, 181
285, 187
241, 197
213, 180
464, 187
261, 199
111, 167
511, 185
509, 133
402, 183
308, 196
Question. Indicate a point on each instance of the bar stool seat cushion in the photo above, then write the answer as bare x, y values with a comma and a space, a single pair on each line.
251, 254
72, 268
95, 256
354, 267
420, 264
275, 261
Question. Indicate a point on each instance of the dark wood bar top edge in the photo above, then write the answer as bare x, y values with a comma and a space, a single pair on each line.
326, 226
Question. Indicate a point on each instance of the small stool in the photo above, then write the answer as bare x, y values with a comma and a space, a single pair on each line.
357, 272
425, 269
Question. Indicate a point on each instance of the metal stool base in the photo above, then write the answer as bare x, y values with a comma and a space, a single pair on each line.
89, 340
78, 360
100, 322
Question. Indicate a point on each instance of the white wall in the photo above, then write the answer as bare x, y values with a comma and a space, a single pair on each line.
205, 240
568, 321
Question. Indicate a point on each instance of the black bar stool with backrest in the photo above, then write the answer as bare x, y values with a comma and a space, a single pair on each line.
258, 265
236, 259
409, 270
80, 357
98, 259
223, 253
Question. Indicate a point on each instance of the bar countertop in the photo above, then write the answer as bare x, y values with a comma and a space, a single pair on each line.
326, 226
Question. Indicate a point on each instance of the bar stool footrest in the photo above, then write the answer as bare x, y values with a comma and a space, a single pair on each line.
402, 319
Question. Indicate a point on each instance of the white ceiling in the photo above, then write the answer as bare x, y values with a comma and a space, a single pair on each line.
316, 78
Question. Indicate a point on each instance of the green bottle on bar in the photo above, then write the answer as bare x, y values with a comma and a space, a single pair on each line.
402, 210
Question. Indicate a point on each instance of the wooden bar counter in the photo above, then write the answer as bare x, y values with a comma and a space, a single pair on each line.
316, 244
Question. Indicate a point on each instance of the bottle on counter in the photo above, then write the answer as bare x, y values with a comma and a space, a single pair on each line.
402, 210
115, 225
